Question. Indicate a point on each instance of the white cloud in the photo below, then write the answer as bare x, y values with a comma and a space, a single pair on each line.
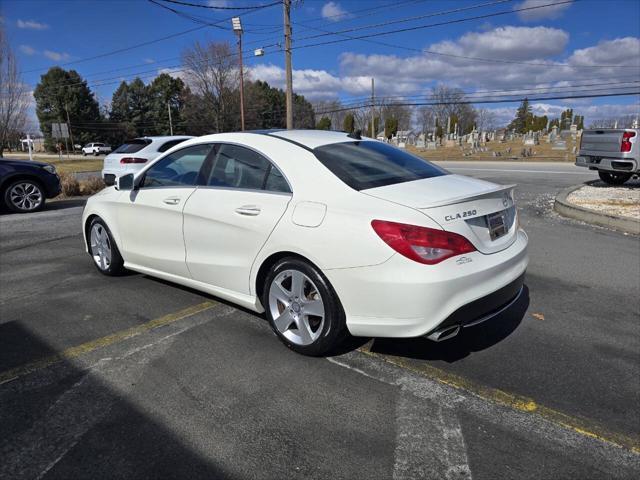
551, 12
56, 56
32, 25
148, 60
621, 51
333, 11
218, 3
27, 50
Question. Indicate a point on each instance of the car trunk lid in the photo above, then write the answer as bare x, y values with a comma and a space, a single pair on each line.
481, 211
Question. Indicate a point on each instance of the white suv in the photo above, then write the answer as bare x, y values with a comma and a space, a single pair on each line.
133, 155
95, 149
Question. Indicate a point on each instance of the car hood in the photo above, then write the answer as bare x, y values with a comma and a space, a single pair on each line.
23, 163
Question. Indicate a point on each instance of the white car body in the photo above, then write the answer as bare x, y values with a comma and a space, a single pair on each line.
198, 236
155, 146
96, 149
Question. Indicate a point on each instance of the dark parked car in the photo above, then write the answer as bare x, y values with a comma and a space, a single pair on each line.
24, 184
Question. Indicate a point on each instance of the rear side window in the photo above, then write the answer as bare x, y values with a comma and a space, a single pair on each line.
133, 146
171, 143
239, 167
363, 165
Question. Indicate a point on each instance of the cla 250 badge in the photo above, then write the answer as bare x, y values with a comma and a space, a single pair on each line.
456, 216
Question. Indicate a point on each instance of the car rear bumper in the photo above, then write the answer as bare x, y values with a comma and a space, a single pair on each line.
627, 165
402, 298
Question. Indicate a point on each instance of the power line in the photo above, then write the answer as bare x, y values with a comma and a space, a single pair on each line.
214, 7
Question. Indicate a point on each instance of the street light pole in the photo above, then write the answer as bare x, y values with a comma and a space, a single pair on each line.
170, 122
287, 54
237, 27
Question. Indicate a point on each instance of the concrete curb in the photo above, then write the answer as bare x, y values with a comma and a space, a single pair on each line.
567, 209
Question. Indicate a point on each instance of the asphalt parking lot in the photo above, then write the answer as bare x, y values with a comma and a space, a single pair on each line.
134, 377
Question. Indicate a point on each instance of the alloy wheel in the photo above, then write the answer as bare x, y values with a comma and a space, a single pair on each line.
26, 196
100, 246
296, 307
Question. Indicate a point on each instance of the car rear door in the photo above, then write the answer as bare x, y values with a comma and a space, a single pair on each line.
150, 217
229, 218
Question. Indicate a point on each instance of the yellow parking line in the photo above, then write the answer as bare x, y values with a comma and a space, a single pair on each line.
87, 347
517, 402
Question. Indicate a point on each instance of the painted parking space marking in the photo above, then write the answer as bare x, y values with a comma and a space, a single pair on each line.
519, 403
102, 342
516, 170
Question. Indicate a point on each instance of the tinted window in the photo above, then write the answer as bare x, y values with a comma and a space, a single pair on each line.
276, 182
363, 165
171, 143
239, 167
179, 168
133, 146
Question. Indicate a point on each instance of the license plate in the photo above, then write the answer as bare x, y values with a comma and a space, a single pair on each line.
495, 222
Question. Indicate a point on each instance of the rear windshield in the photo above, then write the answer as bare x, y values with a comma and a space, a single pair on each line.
363, 165
133, 146
170, 144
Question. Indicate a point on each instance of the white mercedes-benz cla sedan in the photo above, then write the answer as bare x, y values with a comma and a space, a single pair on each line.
330, 234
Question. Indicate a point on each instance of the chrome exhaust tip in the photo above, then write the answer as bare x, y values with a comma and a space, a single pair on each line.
444, 334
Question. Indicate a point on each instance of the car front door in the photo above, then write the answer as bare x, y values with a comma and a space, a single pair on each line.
228, 219
150, 217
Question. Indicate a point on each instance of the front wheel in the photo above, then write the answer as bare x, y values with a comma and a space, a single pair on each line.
303, 309
614, 178
104, 251
24, 196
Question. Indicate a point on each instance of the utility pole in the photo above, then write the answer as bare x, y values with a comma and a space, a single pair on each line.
170, 121
69, 127
373, 111
287, 55
237, 27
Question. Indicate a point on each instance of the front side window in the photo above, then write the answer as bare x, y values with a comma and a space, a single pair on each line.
242, 168
180, 168
367, 164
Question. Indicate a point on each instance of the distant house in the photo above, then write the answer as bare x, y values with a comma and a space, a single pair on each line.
381, 136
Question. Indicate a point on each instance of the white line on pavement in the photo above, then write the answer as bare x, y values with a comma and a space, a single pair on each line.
557, 172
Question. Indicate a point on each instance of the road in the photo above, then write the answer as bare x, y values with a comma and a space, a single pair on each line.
134, 377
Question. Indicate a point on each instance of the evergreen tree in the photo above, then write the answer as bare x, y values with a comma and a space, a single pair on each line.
60, 91
348, 125
390, 127
166, 92
376, 126
522, 119
324, 124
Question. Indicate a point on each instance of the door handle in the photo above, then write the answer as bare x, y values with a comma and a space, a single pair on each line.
248, 210
172, 201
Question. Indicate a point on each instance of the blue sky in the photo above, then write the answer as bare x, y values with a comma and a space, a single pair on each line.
579, 35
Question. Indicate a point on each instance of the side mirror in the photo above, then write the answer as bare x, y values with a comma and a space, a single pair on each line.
125, 182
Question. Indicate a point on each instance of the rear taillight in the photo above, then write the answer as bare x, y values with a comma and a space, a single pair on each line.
127, 160
422, 244
625, 146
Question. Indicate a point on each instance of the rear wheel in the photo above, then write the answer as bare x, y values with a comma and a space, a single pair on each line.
302, 308
24, 196
104, 251
614, 178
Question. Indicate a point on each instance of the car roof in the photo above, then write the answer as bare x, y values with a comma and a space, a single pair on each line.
308, 139
167, 137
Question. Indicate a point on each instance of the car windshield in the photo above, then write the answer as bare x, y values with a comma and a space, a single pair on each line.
368, 164
133, 146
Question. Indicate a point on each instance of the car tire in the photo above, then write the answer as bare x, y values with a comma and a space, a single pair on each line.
24, 196
303, 309
84, 154
614, 178
95, 154
103, 249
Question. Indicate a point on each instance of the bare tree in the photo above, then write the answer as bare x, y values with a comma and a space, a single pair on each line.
623, 121
485, 119
14, 97
394, 109
212, 73
452, 103
426, 119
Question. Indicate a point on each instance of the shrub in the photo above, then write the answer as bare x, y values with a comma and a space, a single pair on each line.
70, 185
91, 185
